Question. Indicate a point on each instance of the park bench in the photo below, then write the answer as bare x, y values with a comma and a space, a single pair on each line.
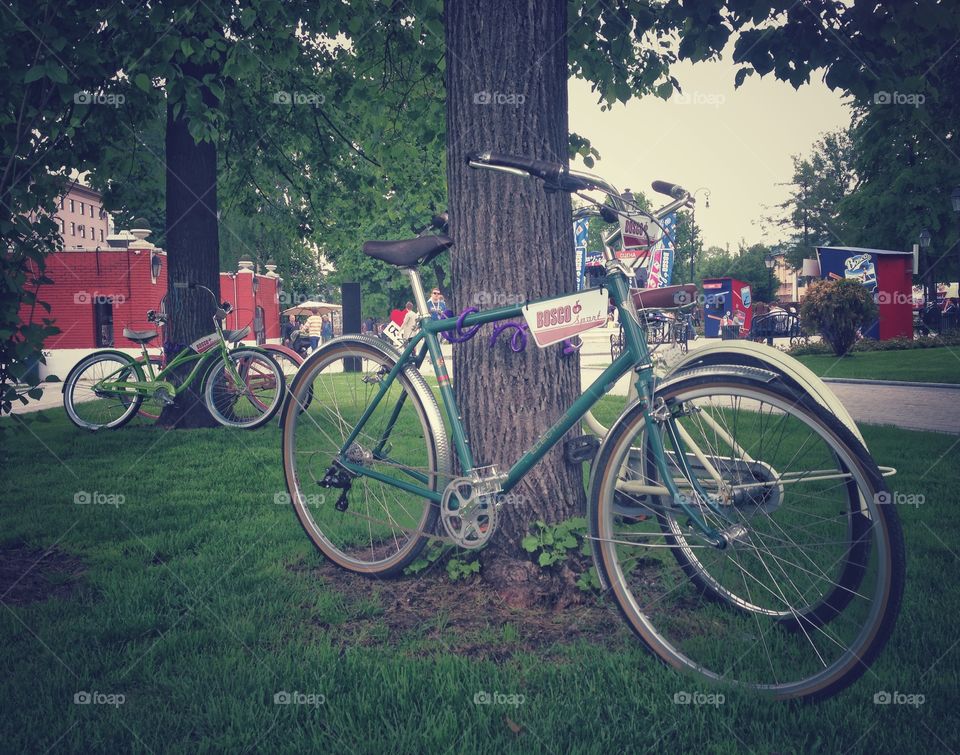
778, 324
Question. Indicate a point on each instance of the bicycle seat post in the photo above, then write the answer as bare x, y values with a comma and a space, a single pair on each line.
419, 297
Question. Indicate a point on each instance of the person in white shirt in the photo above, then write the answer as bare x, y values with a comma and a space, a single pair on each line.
409, 322
314, 327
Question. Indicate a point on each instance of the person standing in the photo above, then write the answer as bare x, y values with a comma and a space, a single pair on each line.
314, 328
437, 307
326, 329
409, 322
287, 329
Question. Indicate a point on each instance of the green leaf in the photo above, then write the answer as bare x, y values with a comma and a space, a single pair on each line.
34, 74
143, 82
56, 73
530, 543
186, 47
546, 559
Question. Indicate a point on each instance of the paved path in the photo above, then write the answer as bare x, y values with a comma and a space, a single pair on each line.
909, 407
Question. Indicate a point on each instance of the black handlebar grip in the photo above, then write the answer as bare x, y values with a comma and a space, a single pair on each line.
671, 190
550, 172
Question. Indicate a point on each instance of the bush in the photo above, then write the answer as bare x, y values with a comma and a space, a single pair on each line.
837, 309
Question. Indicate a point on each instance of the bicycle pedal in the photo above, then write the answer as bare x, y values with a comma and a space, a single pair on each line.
580, 449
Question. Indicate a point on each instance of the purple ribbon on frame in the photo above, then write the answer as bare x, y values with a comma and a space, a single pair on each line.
518, 341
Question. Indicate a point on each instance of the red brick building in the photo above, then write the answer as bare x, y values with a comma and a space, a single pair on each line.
96, 294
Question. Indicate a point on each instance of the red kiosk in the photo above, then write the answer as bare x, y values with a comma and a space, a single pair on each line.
888, 275
722, 296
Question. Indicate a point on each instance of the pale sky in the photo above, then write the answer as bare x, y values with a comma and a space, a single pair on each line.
737, 143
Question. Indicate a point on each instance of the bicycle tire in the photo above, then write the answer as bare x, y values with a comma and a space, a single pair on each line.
879, 597
72, 400
379, 531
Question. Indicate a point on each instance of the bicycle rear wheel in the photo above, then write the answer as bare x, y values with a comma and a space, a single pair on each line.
377, 528
252, 400
805, 591
89, 399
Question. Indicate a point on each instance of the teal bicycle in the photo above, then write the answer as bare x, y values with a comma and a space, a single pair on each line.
241, 387
744, 532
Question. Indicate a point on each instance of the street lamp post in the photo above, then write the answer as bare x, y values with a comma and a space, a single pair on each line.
769, 261
928, 296
693, 224
955, 199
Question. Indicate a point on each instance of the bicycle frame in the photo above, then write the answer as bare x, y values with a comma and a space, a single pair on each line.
636, 357
158, 380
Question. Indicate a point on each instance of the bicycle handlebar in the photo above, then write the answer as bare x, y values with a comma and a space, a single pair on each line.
223, 308
557, 176
676, 191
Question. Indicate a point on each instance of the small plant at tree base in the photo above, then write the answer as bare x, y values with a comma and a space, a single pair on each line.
562, 542
552, 541
457, 568
838, 309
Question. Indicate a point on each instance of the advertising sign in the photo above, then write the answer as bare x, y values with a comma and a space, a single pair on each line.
553, 320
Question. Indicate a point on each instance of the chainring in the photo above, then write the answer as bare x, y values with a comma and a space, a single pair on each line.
469, 516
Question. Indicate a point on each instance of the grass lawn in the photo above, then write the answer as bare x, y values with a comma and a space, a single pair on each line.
188, 588
939, 365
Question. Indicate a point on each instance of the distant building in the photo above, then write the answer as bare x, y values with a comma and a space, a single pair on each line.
84, 224
793, 286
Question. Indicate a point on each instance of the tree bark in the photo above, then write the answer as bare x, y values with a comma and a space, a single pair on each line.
506, 80
193, 250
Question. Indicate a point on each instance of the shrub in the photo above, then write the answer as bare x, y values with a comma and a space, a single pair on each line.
837, 309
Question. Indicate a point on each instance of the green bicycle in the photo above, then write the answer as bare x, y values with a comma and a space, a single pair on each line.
744, 532
242, 387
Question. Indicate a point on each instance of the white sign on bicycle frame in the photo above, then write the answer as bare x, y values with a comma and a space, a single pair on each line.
554, 320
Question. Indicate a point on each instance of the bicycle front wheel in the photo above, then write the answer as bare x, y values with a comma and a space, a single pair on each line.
805, 589
364, 523
248, 392
91, 397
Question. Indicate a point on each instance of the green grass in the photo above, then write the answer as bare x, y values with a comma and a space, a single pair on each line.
189, 608
938, 365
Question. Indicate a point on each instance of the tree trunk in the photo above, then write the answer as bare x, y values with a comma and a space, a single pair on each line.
193, 251
507, 92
